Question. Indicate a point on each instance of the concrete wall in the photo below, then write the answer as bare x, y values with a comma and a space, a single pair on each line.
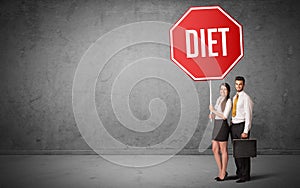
42, 43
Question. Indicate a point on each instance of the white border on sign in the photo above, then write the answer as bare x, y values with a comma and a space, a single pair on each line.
228, 16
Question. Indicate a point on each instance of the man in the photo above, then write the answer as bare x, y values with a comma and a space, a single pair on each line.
241, 125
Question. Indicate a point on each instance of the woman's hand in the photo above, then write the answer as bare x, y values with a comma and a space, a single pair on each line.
211, 116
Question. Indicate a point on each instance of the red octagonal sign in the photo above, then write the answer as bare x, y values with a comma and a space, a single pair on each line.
206, 43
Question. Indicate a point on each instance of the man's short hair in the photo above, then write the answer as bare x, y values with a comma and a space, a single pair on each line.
240, 78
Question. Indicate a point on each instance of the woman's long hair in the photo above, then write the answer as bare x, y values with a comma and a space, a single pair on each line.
223, 104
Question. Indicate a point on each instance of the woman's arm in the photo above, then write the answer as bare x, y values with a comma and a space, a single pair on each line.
213, 110
225, 114
227, 108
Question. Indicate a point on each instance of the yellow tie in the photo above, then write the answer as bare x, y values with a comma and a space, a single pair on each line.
234, 105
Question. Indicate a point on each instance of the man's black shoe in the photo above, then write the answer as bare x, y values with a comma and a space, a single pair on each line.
241, 181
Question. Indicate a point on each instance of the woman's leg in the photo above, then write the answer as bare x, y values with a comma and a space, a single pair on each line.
224, 156
216, 151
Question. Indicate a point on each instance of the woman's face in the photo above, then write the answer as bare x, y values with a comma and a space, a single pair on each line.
223, 91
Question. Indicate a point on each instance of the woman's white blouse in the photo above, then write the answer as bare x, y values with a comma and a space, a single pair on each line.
227, 107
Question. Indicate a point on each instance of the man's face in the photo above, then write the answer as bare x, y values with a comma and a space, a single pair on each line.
239, 85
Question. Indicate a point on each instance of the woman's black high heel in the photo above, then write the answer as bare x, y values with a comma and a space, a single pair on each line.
219, 179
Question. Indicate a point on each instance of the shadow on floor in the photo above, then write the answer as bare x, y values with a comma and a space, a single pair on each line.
262, 176
254, 177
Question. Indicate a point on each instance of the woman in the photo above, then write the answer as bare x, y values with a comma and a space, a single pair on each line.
221, 130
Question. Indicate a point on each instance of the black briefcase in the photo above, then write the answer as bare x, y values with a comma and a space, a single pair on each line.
244, 148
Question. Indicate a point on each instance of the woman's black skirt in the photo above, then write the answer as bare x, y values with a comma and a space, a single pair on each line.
220, 131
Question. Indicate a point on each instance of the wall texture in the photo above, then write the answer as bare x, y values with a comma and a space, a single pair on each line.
42, 43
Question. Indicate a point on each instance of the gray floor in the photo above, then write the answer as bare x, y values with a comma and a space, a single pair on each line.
180, 171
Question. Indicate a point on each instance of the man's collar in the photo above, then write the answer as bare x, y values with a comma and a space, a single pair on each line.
241, 92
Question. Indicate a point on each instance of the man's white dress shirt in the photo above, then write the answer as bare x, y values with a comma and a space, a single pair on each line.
244, 110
